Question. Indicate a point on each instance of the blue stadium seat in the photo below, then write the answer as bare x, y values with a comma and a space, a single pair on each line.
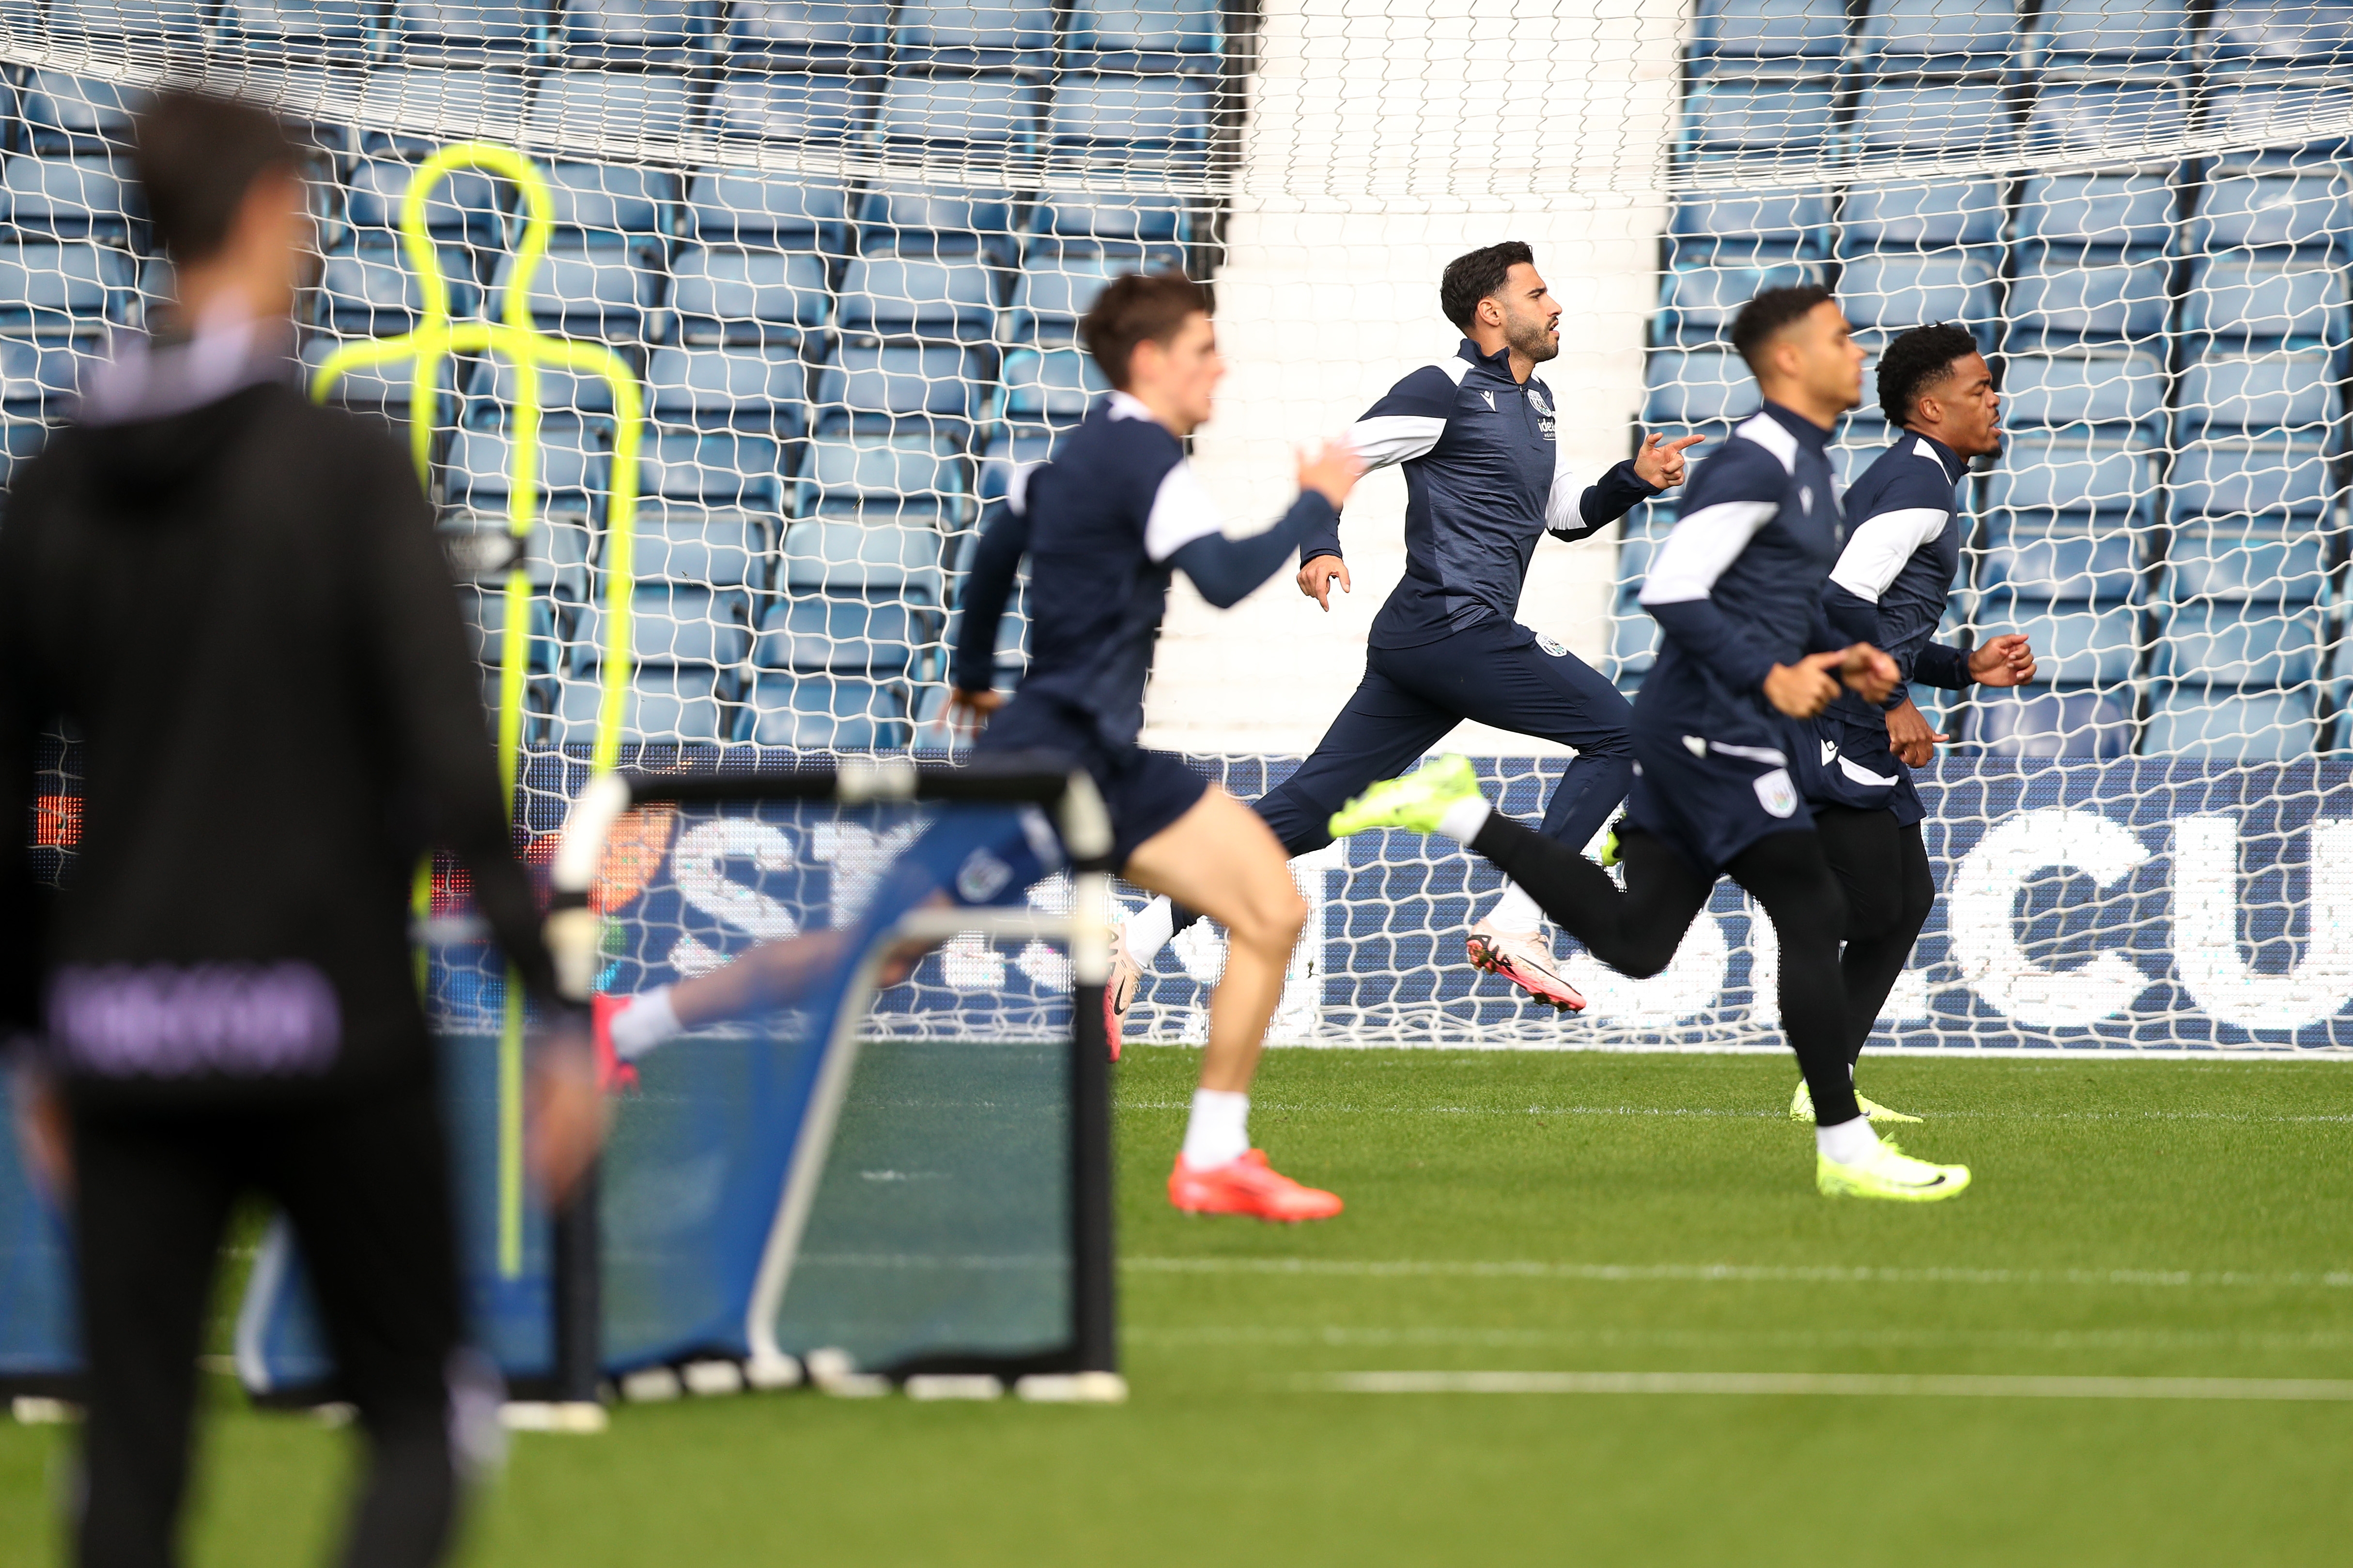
2081, 386
944, 300
2054, 567
805, 28
480, 546
1895, 291
2248, 645
314, 28
2278, 483
674, 625
886, 478
2277, 390
2226, 562
871, 555
2076, 116
1113, 220
658, 705
1052, 385
1941, 38
465, 207
2078, 647
1013, 445
988, 115
1148, 35
2290, 299
1733, 225
2056, 299
915, 220
1726, 117
972, 32
635, 32
798, 106
1781, 34
2187, 721
2268, 34
2308, 212
2115, 212
37, 381
1129, 120
563, 396
482, 610
690, 546
381, 390
723, 295
1952, 119
580, 290
2076, 32
781, 213
819, 636
465, 30
174, 24
573, 107
69, 197
817, 712
2073, 476
712, 467
67, 114
1049, 301
1697, 304
764, 390
1924, 213
1697, 387
928, 388
2077, 725
612, 203
487, 102
61, 288
572, 465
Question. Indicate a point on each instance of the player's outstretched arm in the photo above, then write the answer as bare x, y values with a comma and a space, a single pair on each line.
1572, 512
1226, 570
987, 585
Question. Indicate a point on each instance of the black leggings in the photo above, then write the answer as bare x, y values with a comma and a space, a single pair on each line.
365, 1183
1635, 930
1884, 867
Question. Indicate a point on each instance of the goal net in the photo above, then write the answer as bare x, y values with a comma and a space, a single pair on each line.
842, 248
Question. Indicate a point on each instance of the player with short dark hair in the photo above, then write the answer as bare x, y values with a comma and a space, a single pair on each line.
1888, 589
1104, 525
1747, 657
1486, 478
233, 598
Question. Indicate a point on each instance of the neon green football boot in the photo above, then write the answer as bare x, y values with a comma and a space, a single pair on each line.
1801, 1107
1414, 803
1886, 1172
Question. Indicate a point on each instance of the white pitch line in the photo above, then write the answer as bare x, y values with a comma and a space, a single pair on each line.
1876, 1386
1721, 1113
1725, 1273
2053, 1340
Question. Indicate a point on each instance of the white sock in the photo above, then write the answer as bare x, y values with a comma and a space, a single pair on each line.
1218, 1130
1148, 931
1515, 910
1464, 818
645, 1023
1847, 1141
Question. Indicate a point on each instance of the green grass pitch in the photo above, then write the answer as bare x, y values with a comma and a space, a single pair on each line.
1537, 1212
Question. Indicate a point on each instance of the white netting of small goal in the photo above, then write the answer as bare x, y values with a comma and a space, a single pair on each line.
845, 247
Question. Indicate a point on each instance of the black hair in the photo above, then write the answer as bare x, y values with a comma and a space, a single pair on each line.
197, 155
1135, 308
1767, 315
1918, 362
1478, 276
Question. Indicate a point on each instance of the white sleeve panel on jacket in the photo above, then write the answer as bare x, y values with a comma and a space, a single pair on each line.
1383, 439
1701, 545
1880, 546
1182, 512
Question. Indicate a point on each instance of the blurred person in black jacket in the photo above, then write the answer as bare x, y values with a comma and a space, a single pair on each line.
233, 599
